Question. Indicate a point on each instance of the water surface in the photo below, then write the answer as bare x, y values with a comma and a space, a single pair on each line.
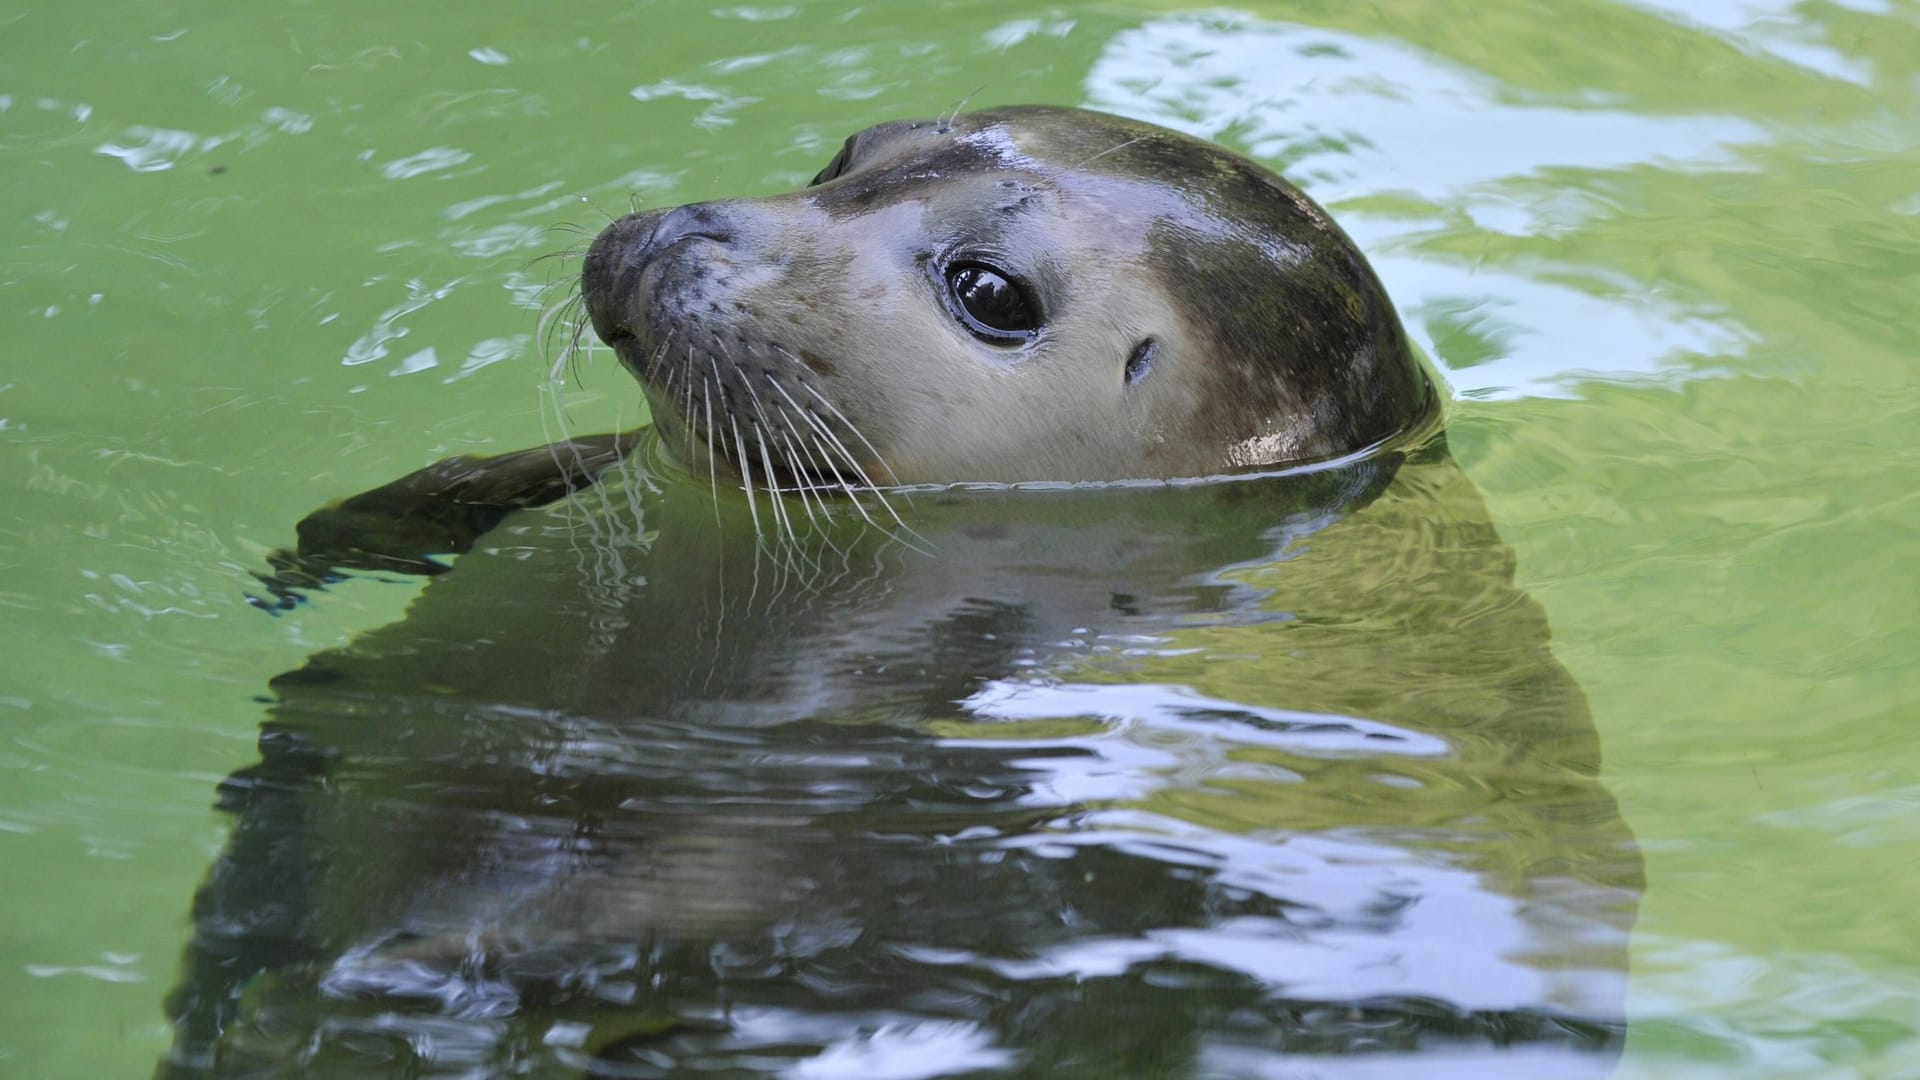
1664, 254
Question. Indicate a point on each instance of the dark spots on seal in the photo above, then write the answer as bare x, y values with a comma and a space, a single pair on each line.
1022, 196
1141, 361
1329, 308
815, 364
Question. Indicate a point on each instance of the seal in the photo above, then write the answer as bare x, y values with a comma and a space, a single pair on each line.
1018, 294
621, 796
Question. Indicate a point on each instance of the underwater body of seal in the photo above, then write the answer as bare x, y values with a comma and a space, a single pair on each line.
1233, 780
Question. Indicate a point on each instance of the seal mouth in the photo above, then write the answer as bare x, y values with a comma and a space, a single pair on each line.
792, 477
619, 339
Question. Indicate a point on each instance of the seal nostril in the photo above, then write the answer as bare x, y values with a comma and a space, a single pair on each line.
1141, 361
700, 221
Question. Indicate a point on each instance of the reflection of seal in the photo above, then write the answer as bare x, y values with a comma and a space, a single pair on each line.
1281, 772
1017, 294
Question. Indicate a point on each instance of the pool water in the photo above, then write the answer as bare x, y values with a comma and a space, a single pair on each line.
1666, 257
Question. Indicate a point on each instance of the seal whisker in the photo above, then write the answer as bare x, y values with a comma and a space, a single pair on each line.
840, 448
813, 466
783, 528
809, 494
854, 464
808, 497
653, 358
813, 469
580, 323
596, 207
783, 521
878, 458
571, 307
1111, 149
555, 256
784, 563
555, 291
720, 384
713, 473
666, 384
800, 487
759, 407
686, 412
793, 472
746, 475
761, 428
845, 455
946, 121
853, 494
550, 318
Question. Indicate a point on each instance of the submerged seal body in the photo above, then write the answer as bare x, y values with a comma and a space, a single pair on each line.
1017, 294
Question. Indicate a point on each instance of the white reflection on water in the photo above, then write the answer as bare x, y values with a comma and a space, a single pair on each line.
1347, 117
1137, 754
905, 1051
1173, 707
1366, 920
1771, 26
1412, 121
1367, 917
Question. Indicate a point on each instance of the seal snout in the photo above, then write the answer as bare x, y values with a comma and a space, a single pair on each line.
610, 272
622, 253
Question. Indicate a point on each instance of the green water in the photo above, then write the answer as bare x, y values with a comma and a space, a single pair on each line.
1666, 255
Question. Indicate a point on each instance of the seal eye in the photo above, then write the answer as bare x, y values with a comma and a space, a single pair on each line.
835, 167
991, 305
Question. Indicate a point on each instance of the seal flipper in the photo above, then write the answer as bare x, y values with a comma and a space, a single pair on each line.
442, 509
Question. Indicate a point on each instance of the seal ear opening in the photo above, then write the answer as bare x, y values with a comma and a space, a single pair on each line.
1141, 361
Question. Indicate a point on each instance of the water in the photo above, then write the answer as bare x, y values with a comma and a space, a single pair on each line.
1665, 256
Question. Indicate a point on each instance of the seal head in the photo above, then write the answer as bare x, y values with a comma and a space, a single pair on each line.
1017, 294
